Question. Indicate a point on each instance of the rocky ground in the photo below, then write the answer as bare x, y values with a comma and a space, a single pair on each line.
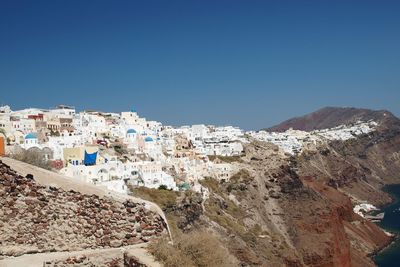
84, 261
35, 219
125, 260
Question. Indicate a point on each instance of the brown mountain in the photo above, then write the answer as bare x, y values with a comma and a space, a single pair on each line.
329, 117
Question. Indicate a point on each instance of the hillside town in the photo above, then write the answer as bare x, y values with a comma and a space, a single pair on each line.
117, 150
294, 141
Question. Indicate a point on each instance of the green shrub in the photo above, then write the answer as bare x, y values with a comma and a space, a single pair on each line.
163, 187
164, 198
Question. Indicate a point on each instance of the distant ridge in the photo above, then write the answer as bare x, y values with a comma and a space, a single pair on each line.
329, 117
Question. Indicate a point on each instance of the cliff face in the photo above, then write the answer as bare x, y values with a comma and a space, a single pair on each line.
359, 167
298, 211
317, 226
267, 215
363, 236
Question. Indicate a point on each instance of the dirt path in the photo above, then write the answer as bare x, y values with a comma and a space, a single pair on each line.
37, 260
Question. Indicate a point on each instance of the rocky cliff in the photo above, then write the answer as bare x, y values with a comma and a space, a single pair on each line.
360, 167
268, 215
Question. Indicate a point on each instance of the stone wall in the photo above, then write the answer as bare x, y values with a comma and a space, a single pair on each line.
35, 219
85, 261
125, 259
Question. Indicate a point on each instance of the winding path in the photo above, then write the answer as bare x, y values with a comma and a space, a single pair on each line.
37, 260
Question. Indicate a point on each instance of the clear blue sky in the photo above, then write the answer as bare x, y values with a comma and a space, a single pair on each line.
245, 63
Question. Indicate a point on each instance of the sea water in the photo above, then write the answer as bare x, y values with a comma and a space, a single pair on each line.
391, 222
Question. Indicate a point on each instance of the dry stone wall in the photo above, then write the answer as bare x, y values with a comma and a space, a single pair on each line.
85, 261
35, 219
124, 260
